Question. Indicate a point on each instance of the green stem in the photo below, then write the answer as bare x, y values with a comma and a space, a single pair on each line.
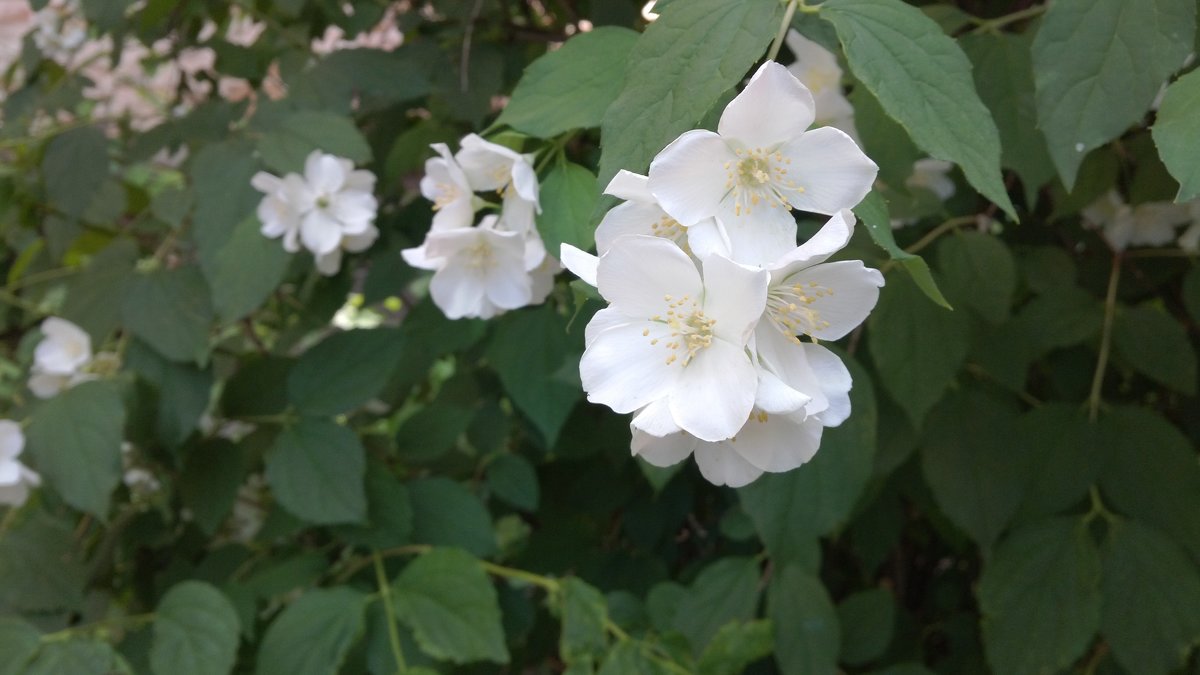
930, 237
985, 25
547, 583
385, 592
1098, 508
19, 302
1110, 308
783, 29
131, 621
42, 277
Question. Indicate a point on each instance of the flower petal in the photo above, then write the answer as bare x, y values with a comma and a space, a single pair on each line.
831, 238
830, 168
622, 370
323, 173
689, 179
460, 292
655, 419
637, 272
788, 361
508, 286
419, 257
835, 383
664, 451
328, 264
842, 293
580, 263
734, 297
644, 218
774, 108
708, 237
320, 232
757, 236
778, 443
775, 397
715, 392
630, 186
265, 182
602, 321
721, 465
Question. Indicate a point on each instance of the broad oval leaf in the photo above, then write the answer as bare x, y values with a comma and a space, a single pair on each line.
1176, 132
344, 371
313, 634
195, 632
316, 471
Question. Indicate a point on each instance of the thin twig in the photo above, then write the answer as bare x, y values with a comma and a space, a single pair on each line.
1110, 308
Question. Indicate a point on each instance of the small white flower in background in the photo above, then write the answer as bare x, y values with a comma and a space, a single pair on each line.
248, 513
672, 343
16, 479
932, 175
817, 68
328, 209
61, 359
230, 430
1190, 239
140, 480
1122, 225
445, 184
490, 166
759, 165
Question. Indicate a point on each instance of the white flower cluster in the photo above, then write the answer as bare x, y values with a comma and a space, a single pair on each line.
709, 294
499, 264
1147, 224
329, 209
16, 479
64, 359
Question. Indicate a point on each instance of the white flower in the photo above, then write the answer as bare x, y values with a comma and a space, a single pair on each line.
1190, 239
817, 68
60, 359
671, 343
641, 214
1149, 224
330, 202
490, 166
759, 165
445, 184
479, 271
329, 263
16, 479
930, 174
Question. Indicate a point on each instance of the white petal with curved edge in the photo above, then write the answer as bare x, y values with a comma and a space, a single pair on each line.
354, 210
664, 451
525, 181
630, 186
46, 385
835, 382
734, 297
64, 349
265, 182
508, 287
320, 232
655, 419
721, 465
460, 293
688, 178
811, 55
779, 443
851, 290
12, 440
419, 257
10, 472
774, 108
708, 237
631, 218
715, 392
774, 396
602, 321
580, 263
357, 243
638, 272
758, 236
488, 166
832, 170
623, 371
323, 173
788, 361
329, 263
831, 238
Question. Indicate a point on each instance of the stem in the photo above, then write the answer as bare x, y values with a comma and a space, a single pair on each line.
938, 231
783, 29
1098, 508
19, 302
1002, 21
385, 592
355, 566
547, 583
131, 620
1110, 308
43, 276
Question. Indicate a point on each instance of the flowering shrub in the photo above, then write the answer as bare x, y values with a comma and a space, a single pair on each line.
692, 336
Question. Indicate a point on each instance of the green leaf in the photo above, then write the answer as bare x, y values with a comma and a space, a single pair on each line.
344, 371
384, 77
447, 514
632, 657
246, 271
171, 311
1040, 598
513, 479
41, 570
18, 642
1157, 346
1149, 472
568, 197
74, 168
195, 632
807, 635
1060, 443
1151, 592
882, 138
873, 210
316, 471
221, 174
923, 80
91, 296
389, 512
431, 432
735, 647
691, 55
790, 510
584, 614
1098, 64
76, 437
868, 619
1177, 128
313, 634
285, 147
969, 461
1061, 318
980, 273
1004, 77
543, 383
570, 88
917, 347
1191, 293
77, 657
212, 473
449, 602
184, 391
725, 591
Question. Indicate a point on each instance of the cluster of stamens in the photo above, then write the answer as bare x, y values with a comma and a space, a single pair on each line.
446, 193
790, 308
691, 330
758, 176
479, 256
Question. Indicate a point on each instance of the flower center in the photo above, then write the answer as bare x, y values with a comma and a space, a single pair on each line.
758, 176
323, 202
669, 228
691, 331
446, 194
480, 256
790, 308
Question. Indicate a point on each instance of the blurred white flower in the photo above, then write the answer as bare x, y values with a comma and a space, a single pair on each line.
817, 68
1190, 239
445, 184
1122, 225
759, 165
61, 358
16, 479
489, 166
932, 175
